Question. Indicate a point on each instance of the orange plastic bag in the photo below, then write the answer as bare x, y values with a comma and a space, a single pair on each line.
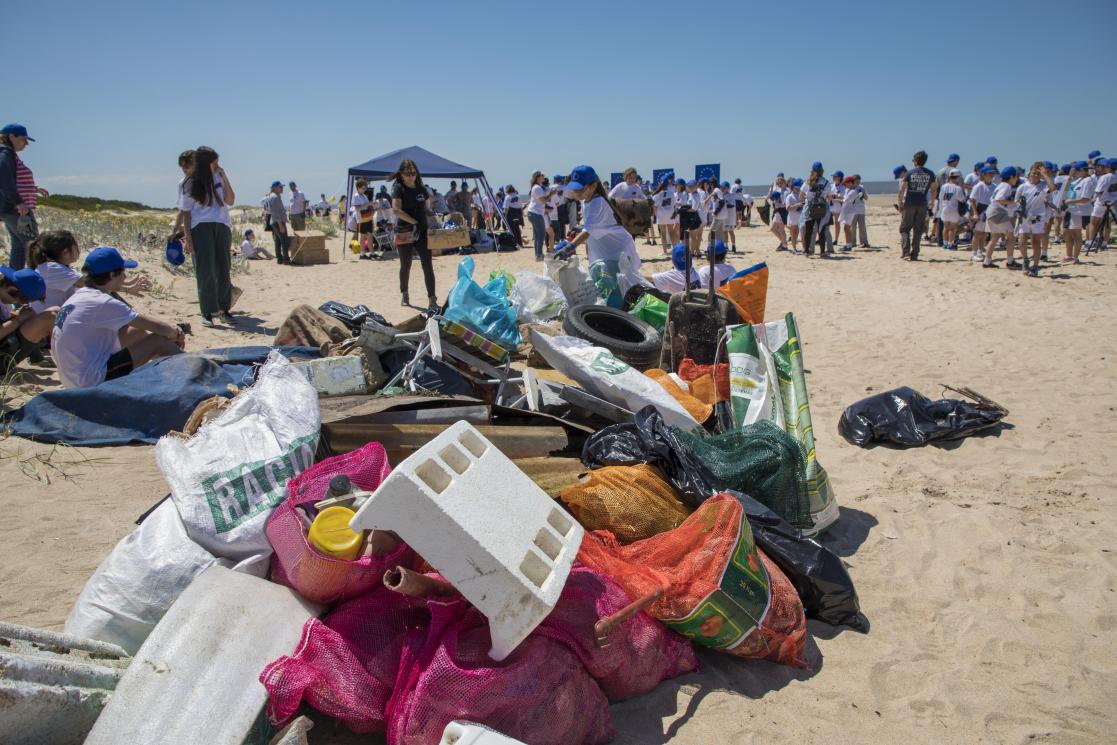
695, 407
701, 380
631, 502
749, 293
718, 588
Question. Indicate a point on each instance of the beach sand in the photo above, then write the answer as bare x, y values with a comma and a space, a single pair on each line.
987, 567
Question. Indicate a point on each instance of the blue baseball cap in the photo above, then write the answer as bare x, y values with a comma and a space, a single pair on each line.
18, 130
248, 232
678, 256
276, 183
725, 184
1049, 165
796, 182
953, 157
680, 182
1065, 167
988, 169
104, 260
979, 165
779, 175
898, 170
28, 281
692, 182
838, 174
1093, 153
557, 176
774, 195
581, 177
175, 255
816, 166
1080, 165
1008, 173
991, 160
719, 249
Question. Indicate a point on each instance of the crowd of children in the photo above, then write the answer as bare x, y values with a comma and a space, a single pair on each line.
802, 213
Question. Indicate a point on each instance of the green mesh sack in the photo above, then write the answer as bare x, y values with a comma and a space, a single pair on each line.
762, 461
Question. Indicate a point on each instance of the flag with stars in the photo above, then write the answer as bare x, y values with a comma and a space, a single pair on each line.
708, 171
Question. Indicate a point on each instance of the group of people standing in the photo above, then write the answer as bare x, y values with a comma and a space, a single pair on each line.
803, 212
1011, 208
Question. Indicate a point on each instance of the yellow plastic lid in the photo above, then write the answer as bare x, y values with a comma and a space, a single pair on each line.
331, 535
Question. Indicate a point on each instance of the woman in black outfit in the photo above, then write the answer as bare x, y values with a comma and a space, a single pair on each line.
409, 202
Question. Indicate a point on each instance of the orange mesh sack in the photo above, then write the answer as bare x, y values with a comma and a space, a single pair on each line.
696, 408
748, 290
701, 380
718, 588
631, 502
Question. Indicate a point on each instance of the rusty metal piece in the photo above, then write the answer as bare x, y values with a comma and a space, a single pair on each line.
413, 584
605, 626
380, 542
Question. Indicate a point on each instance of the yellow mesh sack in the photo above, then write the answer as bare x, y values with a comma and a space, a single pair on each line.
632, 502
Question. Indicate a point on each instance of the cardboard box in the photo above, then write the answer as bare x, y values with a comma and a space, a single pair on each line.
443, 238
309, 247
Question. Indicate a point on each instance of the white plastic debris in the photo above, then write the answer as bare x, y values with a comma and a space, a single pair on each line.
196, 678
335, 376
467, 733
484, 525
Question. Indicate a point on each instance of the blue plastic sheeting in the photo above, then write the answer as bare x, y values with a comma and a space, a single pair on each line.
145, 405
430, 165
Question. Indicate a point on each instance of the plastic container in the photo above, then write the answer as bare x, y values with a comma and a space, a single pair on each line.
331, 535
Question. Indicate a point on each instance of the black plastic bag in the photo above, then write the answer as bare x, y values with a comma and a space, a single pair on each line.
648, 439
352, 316
818, 573
905, 417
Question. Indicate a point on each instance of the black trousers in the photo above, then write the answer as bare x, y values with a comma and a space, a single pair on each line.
406, 253
817, 228
515, 220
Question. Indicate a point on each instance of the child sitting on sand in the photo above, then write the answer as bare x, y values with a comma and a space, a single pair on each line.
722, 271
21, 333
97, 337
53, 255
673, 280
250, 250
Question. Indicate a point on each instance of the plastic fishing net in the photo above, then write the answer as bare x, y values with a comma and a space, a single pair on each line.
698, 409
762, 461
719, 590
631, 502
320, 578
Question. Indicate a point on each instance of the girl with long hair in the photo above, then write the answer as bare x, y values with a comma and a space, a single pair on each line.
409, 203
537, 212
203, 202
606, 239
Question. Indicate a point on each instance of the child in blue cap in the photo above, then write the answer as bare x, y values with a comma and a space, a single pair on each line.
250, 250
722, 270
97, 337
22, 333
606, 239
674, 280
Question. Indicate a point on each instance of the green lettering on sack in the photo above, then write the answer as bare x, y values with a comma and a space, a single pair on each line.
605, 362
728, 614
239, 494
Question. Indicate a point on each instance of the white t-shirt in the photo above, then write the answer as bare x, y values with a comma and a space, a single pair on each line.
672, 280
722, 273
59, 280
982, 193
698, 203
1085, 188
790, 200
854, 203
1034, 198
1003, 192
535, 206
735, 190
625, 191
298, 202
1060, 192
248, 250
358, 203
1105, 191
512, 202
950, 196
664, 206
838, 190
85, 336
608, 241
728, 211
217, 211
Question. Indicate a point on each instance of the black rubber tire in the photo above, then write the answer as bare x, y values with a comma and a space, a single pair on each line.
629, 338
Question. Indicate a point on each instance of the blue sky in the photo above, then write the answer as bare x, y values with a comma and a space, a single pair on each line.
114, 91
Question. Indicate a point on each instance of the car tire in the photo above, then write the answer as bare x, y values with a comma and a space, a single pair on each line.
629, 338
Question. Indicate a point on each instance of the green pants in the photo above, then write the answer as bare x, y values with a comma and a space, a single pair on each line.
212, 263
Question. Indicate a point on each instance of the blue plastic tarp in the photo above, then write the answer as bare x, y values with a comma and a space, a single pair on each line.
145, 405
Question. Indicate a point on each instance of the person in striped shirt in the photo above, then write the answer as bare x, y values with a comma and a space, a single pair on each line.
17, 193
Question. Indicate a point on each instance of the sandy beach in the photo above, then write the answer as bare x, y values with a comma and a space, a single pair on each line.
987, 567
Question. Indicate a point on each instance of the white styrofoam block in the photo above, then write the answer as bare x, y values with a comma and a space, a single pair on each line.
196, 678
335, 376
467, 733
484, 525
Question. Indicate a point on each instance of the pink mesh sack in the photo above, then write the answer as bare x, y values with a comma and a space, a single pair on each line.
324, 579
539, 694
346, 664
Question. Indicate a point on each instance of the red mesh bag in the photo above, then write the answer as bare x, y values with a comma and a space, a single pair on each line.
719, 590
320, 578
701, 378
346, 664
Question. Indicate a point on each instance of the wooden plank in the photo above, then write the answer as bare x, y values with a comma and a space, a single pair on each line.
401, 440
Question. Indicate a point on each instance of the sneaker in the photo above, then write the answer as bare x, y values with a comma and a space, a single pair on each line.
865, 245
988, 265
404, 300
227, 317
1043, 257
782, 247
1033, 272
846, 249
1013, 265
207, 321
433, 305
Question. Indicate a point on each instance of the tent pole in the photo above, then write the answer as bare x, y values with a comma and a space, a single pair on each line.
345, 217
496, 204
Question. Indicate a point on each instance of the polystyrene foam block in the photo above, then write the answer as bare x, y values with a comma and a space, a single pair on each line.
484, 525
467, 733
